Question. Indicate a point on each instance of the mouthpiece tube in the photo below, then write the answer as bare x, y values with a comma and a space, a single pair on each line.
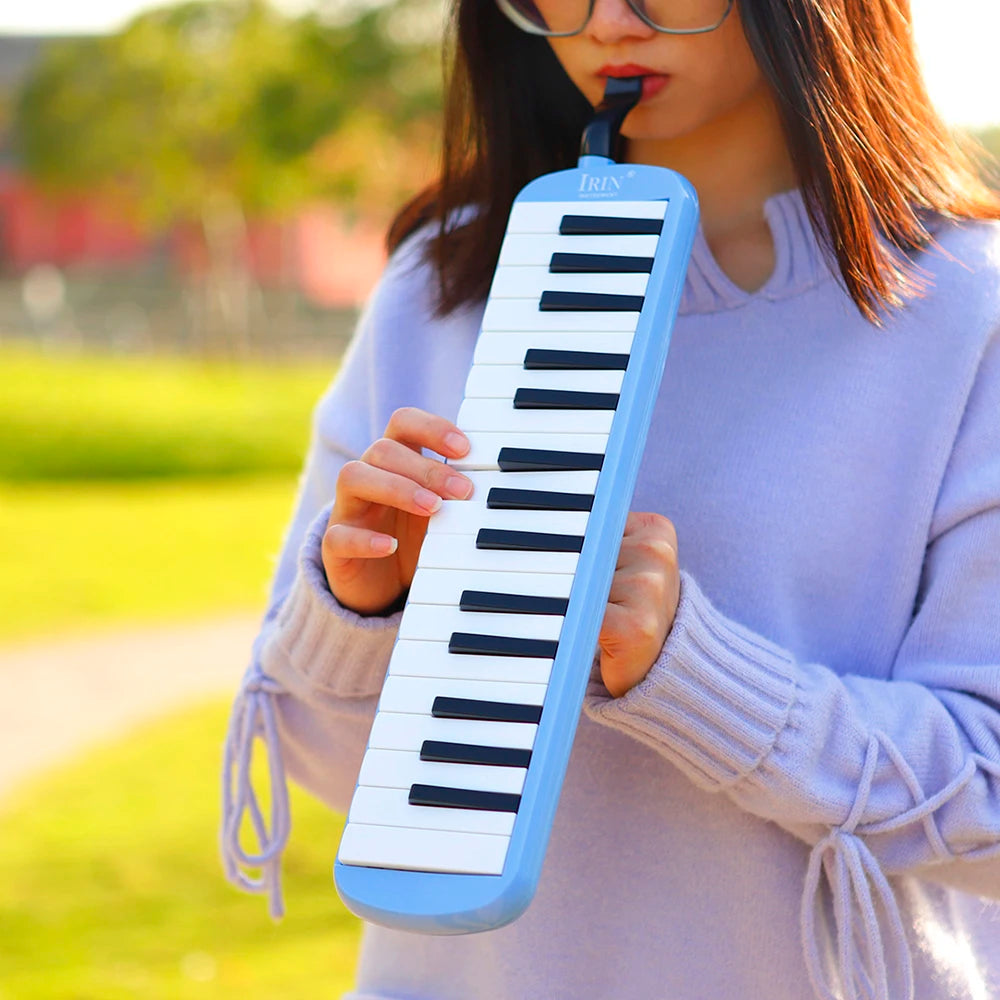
600, 137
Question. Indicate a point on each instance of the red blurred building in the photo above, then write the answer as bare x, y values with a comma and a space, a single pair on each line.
36, 230
334, 263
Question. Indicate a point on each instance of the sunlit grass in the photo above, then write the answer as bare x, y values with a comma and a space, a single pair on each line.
131, 491
75, 555
94, 417
110, 884
143, 489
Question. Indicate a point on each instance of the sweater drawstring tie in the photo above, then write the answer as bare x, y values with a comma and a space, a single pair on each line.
852, 872
859, 887
253, 716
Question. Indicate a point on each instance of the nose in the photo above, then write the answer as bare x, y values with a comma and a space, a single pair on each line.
614, 20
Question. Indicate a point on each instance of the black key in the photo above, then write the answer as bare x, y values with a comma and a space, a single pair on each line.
527, 541
463, 798
589, 302
469, 753
540, 460
606, 225
538, 359
598, 263
501, 498
516, 604
564, 399
484, 711
500, 645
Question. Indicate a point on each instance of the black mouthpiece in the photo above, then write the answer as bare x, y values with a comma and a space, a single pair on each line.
600, 137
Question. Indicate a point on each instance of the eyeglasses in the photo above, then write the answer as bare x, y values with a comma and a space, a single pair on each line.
560, 18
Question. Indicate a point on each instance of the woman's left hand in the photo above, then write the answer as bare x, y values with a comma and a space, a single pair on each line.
642, 603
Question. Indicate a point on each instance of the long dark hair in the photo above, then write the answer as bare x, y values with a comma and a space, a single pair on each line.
875, 163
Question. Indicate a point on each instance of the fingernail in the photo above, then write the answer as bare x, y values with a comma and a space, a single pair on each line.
427, 500
459, 487
458, 443
384, 544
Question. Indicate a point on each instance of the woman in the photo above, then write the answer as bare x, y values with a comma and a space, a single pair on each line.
787, 777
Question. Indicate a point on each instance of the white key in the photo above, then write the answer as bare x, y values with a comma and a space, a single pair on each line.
524, 314
500, 415
530, 282
520, 250
432, 659
460, 552
411, 658
423, 850
466, 517
416, 694
484, 446
502, 381
400, 769
582, 481
404, 731
545, 216
445, 586
509, 348
436, 622
389, 807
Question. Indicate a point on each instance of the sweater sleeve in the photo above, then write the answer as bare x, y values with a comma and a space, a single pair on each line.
879, 776
316, 668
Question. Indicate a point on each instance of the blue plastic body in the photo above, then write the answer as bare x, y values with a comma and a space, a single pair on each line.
436, 903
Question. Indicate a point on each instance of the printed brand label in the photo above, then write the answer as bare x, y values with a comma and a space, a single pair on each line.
602, 185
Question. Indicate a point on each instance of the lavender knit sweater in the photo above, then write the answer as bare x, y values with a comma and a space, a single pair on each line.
803, 796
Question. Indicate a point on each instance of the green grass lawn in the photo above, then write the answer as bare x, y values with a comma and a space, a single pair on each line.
97, 417
131, 491
111, 887
143, 489
79, 555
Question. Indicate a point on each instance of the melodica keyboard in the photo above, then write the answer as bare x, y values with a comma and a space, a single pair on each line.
459, 784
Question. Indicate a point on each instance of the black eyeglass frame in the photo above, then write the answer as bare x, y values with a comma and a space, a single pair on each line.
525, 24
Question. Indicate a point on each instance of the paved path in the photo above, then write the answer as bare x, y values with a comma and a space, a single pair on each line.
60, 696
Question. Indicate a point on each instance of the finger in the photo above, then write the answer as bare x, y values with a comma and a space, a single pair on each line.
646, 588
648, 523
614, 628
646, 549
359, 485
392, 456
418, 429
617, 638
626, 628
344, 541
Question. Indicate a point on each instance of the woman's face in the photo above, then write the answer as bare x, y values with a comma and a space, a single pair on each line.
691, 81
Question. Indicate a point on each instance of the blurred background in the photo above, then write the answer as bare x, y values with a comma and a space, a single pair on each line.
192, 205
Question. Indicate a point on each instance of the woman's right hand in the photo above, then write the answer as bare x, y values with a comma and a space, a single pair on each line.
383, 500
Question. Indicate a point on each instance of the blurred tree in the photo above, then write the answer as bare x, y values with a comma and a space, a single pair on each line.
213, 110
989, 138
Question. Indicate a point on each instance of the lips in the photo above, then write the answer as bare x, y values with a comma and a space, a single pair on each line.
652, 80
628, 69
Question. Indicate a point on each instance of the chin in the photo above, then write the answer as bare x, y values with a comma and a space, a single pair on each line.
662, 126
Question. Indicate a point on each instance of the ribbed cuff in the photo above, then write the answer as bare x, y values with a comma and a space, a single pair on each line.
715, 700
317, 643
